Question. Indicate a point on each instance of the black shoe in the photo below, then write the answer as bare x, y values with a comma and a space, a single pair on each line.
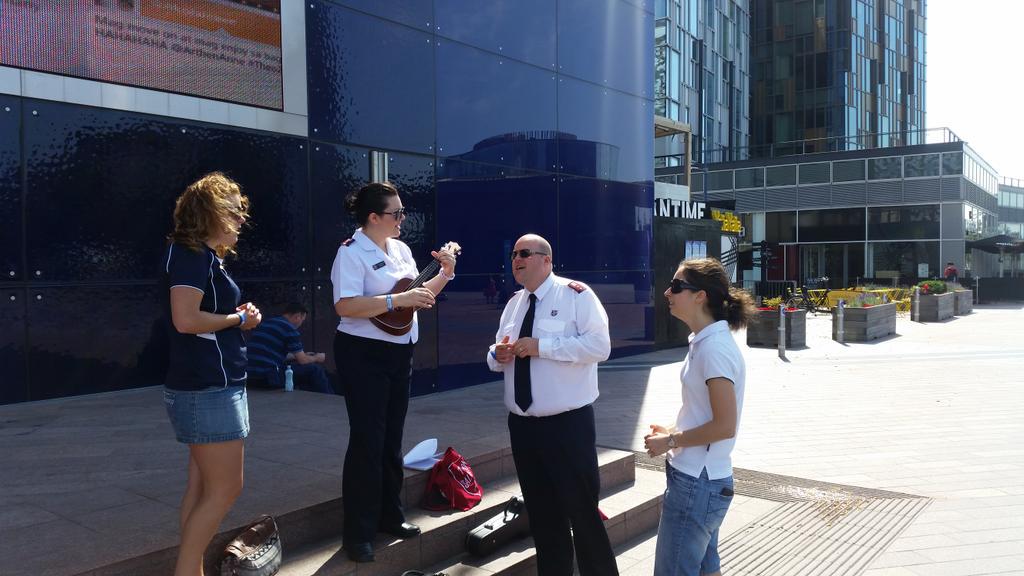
361, 552
403, 530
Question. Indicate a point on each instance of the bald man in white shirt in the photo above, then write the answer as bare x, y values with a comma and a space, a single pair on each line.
551, 336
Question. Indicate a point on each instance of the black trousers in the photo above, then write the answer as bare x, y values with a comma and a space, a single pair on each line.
556, 460
374, 376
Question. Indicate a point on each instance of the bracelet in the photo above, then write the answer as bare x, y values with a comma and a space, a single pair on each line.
445, 276
242, 317
390, 304
493, 355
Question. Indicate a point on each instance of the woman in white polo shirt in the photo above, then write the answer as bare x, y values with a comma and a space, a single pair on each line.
374, 366
699, 469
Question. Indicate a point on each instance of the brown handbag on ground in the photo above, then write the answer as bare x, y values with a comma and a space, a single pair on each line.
256, 551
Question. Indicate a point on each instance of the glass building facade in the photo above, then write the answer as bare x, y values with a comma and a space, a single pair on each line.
1011, 207
836, 75
493, 119
702, 77
894, 214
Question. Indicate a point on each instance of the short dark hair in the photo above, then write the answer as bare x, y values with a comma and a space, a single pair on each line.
295, 308
369, 199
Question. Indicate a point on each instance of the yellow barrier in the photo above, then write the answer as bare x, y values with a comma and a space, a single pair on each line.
901, 296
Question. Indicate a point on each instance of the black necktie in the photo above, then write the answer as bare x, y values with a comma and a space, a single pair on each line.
524, 395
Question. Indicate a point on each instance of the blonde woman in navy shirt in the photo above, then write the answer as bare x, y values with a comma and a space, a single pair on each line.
205, 388
699, 445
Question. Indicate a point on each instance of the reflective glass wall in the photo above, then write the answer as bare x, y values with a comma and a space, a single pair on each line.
496, 119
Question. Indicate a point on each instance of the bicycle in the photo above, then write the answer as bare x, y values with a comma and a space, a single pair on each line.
813, 296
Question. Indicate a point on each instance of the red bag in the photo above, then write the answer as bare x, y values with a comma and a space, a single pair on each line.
452, 485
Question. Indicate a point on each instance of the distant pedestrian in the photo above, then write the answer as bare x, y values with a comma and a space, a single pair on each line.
205, 388
951, 274
699, 486
491, 290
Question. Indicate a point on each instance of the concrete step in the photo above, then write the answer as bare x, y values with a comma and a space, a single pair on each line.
443, 532
310, 524
633, 511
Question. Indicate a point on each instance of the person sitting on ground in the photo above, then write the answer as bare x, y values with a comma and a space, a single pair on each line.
277, 343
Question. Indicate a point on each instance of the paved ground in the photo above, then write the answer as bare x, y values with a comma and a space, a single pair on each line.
934, 412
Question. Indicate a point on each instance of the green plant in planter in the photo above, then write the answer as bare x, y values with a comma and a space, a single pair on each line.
932, 287
865, 301
771, 303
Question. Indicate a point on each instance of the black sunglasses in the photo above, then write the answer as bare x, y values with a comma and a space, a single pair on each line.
397, 214
525, 253
677, 286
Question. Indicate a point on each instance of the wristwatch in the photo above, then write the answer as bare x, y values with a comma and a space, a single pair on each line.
672, 440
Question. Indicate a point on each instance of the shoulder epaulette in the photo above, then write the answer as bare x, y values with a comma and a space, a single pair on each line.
579, 287
348, 242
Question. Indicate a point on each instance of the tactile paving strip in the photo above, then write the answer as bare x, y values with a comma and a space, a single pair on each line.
821, 528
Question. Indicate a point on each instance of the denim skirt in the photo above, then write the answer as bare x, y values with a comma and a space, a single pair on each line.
217, 414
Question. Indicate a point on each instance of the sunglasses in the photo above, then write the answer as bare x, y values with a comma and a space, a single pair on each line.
397, 214
677, 286
525, 253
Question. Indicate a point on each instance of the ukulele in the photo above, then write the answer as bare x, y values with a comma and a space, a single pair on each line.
399, 321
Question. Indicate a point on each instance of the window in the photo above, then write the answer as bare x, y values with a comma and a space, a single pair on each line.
923, 165
952, 163
848, 170
885, 168
817, 173
780, 176
750, 178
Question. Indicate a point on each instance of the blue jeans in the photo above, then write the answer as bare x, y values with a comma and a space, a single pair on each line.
691, 514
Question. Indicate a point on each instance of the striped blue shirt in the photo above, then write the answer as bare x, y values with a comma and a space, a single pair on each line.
270, 343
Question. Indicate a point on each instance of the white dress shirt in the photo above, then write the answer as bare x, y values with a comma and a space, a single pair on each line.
572, 328
361, 268
713, 354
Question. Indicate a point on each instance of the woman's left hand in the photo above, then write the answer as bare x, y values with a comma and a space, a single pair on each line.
656, 444
447, 260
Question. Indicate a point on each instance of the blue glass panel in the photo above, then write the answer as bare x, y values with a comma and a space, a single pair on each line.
627, 298
603, 225
603, 133
609, 43
495, 110
416, 14
335, 171
522, 29
110, 179
12, 346
10, 190
466, 324
371, 82
66, 358
487, 208
414, 178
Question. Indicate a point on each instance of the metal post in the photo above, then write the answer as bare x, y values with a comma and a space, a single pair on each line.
917, 304
840, 320
782, 331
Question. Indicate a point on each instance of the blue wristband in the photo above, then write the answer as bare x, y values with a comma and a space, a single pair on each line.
493, 355
389, 302
242, 317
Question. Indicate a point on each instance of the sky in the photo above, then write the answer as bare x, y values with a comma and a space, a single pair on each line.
975, 85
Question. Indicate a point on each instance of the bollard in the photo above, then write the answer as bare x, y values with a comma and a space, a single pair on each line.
917, 304
782, 331
839, 320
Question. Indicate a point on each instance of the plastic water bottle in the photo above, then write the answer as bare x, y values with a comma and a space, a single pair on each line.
289, 379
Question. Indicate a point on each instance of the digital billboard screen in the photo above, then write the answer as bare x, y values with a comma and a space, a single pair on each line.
221, 49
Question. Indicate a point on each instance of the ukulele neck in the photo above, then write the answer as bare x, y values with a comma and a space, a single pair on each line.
427, 273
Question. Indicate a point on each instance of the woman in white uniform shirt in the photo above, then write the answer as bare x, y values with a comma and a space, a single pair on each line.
699, 469
374, 367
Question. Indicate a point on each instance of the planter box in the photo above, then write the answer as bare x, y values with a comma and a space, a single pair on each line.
865, 324
963, 302
936, 307
764, 330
